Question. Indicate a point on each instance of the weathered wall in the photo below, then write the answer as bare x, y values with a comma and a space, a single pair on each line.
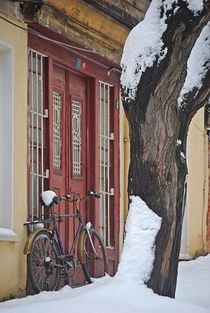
12, 260
99, 26
126, 12
85, 26
197, 195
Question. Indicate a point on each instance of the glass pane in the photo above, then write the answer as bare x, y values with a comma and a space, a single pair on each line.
57, 129
76, 138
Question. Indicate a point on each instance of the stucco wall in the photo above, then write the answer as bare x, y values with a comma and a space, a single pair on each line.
124, 166
12, 260
85, 26
197, 194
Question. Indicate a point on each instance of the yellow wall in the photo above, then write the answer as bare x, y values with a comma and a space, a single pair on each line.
12, 260
197, 196
124, 166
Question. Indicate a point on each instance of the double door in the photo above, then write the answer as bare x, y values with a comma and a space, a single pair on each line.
73, 146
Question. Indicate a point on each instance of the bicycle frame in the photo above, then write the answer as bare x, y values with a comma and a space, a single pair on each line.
76, 237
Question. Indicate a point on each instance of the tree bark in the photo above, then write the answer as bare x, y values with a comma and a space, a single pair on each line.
158, 167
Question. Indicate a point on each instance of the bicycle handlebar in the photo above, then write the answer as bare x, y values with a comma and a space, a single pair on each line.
49, 198
94, 194
74, 196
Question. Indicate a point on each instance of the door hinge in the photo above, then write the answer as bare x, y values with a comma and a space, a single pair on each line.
46, 113
47, 173
117, 104
111, 136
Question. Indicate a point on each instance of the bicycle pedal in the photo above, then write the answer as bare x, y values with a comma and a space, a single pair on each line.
61, 257
63, 274
69, 257
70, 264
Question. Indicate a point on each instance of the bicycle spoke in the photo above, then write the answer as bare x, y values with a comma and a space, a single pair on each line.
43, 274
95, 255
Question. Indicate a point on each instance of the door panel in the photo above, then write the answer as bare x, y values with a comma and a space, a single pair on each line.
78, 136
58, 142
68, 170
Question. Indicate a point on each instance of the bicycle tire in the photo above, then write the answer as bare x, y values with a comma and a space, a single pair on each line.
94, 265
42, 272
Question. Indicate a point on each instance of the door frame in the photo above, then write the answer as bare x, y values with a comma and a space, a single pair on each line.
95, 70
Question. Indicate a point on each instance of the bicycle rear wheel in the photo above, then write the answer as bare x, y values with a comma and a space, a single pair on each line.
42, 261
94, 256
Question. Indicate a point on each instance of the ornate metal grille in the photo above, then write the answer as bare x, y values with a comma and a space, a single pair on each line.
105, 137
38, 174
76, 138
57, 129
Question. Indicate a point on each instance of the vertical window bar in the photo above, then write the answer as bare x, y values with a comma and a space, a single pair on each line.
104, 160
101, 221
32, 135
37, 131
42, 127
108, 161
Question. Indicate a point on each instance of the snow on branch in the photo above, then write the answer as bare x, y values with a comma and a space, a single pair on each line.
144, 44
197, 66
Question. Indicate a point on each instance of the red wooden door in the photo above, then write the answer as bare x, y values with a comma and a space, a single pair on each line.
68, 146
76, 144
77, 180
57, 145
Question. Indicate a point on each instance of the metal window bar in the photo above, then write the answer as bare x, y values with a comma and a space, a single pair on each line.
37, 116
104, 161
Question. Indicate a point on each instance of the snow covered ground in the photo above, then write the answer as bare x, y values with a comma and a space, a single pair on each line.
126, 292
111, 295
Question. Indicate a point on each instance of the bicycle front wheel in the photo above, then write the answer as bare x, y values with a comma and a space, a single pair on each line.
42, 261
94, 255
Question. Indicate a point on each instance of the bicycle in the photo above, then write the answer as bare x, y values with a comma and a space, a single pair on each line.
46, 260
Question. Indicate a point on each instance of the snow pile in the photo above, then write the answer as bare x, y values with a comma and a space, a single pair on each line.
144, 44
137, 256
8, 234
198, 64
192, 283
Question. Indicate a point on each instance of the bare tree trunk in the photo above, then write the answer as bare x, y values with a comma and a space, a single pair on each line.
157, 127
